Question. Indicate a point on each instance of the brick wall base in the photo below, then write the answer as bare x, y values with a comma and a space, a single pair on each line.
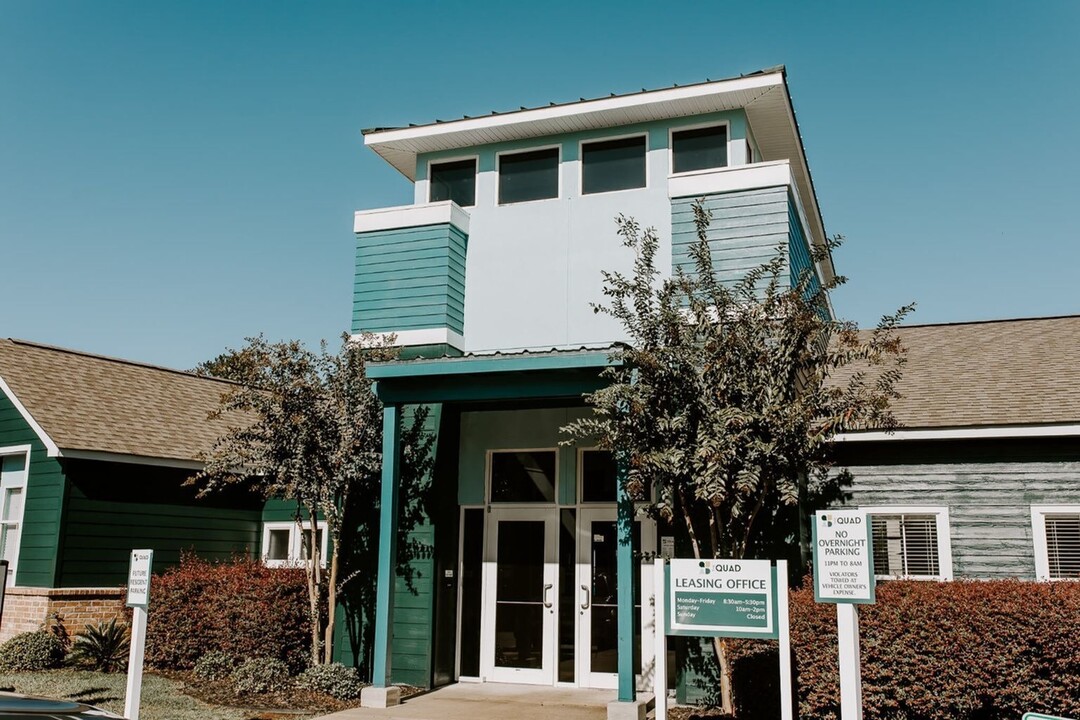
26, 609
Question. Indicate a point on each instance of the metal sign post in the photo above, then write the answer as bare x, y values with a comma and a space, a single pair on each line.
844, 574
722, 598
138, 597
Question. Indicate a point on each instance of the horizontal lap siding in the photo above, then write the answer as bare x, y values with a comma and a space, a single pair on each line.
748, 229
410, 279
112, 509
799, 252
43, 506
989, 506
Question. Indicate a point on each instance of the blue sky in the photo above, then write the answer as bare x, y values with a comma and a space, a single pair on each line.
175, 176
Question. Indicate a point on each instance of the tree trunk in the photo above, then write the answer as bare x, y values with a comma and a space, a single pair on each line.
331, 608
314, 586
727, 701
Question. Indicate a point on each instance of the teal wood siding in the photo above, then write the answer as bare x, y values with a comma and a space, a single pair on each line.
989, 489
114, 507
414, 598
40, 540
748, 228
410, 279
800, 260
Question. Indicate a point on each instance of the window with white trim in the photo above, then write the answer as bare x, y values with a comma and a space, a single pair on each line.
1056, 532
13, 473
699, 149
284, 545
911, 542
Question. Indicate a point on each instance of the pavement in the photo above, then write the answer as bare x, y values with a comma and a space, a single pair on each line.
498, 701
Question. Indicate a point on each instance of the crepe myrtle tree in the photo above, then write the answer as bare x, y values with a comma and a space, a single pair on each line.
309, 430
725, 398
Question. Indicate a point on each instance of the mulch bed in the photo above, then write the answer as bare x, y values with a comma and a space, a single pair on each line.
685, 712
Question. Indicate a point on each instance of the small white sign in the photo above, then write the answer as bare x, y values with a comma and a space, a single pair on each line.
667, 546
138, 593
843, 557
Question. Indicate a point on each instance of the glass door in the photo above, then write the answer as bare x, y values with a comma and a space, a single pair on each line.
521, 596
598, 609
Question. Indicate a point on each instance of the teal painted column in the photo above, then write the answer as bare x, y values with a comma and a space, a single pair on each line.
627, 581
388, 528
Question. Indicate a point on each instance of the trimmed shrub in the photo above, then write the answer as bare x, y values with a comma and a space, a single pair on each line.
962, 650
29, 651
214, 665
102, 647
240, 608
335, 680
261, 675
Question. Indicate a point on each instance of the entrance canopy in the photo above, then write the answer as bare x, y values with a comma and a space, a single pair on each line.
548, 375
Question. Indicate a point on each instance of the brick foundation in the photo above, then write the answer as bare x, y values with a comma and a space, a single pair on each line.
27, 608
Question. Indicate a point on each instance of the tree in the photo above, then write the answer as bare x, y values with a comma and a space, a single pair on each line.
725, 398
311, 433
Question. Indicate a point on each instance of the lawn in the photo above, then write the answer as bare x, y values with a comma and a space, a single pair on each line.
162, 698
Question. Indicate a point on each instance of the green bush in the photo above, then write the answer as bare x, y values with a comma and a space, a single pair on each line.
214, 665
335, 680
102, 647
261, 675
28, 651
961, 650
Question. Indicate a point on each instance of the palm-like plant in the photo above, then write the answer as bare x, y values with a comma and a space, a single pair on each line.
102, 647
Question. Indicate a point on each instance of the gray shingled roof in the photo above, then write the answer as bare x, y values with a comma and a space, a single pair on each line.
99, 404
998, 372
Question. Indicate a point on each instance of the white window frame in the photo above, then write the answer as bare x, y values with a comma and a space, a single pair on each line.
457, 158
521, 151
596, 140
944, 537
17, 480
726, 124
1038, 535
487, 477
296, 556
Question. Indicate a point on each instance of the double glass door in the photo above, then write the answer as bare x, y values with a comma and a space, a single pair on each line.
550, 596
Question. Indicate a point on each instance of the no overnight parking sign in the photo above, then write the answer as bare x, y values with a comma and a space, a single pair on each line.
843, 557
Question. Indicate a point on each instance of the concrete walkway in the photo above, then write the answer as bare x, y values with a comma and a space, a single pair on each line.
480, 701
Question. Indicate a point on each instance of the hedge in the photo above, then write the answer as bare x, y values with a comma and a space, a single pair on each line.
962, 650
240, 608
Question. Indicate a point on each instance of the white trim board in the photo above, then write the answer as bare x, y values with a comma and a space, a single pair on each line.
105, 456
1038, 537
406, 216
412, 338
994, 431
50, 446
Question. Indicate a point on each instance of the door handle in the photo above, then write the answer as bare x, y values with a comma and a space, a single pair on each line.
547, 603
588, 598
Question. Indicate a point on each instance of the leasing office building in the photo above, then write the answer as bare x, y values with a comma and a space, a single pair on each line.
487, 280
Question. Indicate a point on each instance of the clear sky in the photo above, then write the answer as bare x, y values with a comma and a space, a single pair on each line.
175, 176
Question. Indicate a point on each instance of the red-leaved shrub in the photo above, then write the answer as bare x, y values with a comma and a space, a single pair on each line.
239, 607
963, 650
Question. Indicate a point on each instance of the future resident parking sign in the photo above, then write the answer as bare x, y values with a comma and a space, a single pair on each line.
725, 598
843, 557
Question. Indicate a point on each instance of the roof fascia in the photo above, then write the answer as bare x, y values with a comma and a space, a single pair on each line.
994, 431
524, 117
50, 446
103, 456
486, 365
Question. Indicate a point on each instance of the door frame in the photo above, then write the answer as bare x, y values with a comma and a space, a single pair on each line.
587, 514
489, 671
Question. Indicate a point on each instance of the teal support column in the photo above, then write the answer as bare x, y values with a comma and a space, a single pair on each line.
628, 579
388, 529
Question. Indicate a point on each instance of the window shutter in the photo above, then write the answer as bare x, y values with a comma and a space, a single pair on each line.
1063, 545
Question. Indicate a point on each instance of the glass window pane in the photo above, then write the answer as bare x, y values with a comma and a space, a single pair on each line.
472, 563
454, 181
529, 176
519, 594
613, 165
13, 504
305, 540
12, 464
598, 478
905, 545
568, 594
699, 149
278, 545
527, 476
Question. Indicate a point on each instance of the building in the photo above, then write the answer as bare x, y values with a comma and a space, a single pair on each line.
95, 452
983, 479
486, 279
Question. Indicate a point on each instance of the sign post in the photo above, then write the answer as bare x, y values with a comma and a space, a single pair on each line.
844, 575
722, 598
138, 597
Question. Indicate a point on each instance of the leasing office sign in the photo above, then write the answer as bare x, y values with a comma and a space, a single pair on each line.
727, 598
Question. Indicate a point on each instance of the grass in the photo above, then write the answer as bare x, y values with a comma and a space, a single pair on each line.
162, 698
